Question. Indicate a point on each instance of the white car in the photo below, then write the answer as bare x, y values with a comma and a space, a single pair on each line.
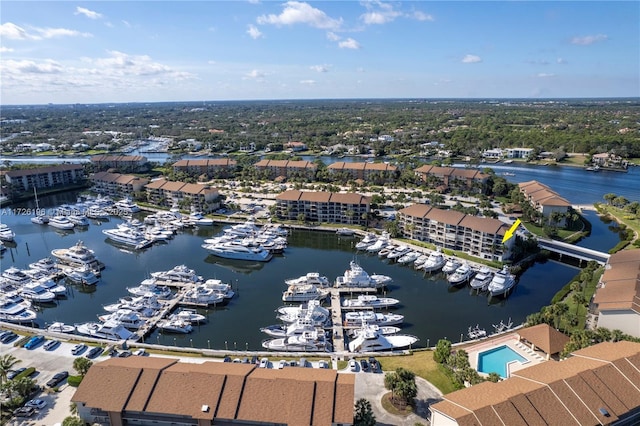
323, 364
353, 365
264, 363
282, 364
79, 348
140, 352
36, 403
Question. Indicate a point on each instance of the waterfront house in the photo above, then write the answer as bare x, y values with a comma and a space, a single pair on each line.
376, 173
545, 200
215, 167
117, 185
284, 169
452, 177
478, 236
296, 146
597, 385
165, 193
24, 180
617, 297
151, 390
123, 163
332, 207
518, 152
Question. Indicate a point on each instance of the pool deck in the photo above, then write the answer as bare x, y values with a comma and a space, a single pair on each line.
512, 341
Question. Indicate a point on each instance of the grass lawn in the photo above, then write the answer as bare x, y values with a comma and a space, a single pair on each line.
621, 216
423, 365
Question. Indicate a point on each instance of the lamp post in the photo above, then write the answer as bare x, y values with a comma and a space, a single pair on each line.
208, 343
225, 346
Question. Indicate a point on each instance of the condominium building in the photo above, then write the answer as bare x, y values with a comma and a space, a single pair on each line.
545, 200
117, 185
44, 177
219, 167
377, 173
477, 236
445, 178
332, 207
272, 169
165, 193
123, 163
163, 391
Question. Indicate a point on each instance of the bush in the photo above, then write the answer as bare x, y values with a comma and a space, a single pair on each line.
74, 381
26, 373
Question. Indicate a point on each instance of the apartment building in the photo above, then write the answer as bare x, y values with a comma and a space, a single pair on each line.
331, 207
545, 200
272, 169
449, 229
44, 177
165, 193
123, 163
376, 173
163, 391
117, 185
445, 178
219, 167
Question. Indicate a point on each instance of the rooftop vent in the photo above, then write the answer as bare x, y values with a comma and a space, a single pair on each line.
604, 412
205, 409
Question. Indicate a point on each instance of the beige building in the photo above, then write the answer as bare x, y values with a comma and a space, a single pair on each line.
222, 167
617, 298
154, 391
272, 169
44, 177
124, 163
117, 185
332, 207
449, 229
598, 385
370, 172
544, 199
168, 194
445, 178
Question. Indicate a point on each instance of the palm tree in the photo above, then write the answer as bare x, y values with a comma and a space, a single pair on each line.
7, 361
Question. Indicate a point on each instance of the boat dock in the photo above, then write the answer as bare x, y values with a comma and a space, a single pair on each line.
150, 324
336, 313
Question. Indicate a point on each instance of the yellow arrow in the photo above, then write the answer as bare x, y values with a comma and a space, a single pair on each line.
511, 231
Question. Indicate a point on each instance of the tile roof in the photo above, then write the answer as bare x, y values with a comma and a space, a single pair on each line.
452, 217
341, 165
545, 337
41, 170
324, 197
619, 286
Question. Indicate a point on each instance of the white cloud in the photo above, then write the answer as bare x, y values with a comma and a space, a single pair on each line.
301, 13
255, 74
320, 68
211, 62
4, 49
254, 1
13, 32
254, 32
545, 75
126, 23
471, 59
61, 32
380, 13
379, 17
88, 13
333, 36
30, 67
421, 16
590, 39
561, 61
308, 82
349, 44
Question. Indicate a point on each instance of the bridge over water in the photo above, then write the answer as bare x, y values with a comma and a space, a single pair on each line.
577, 252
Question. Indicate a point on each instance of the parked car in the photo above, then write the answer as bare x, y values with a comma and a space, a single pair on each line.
227, 359
34, 341
282, 364
364, 365
24, 412
323, 364
353, 365
51, 345
125, 354
94, 352
78, 349
373, 363
36, 403
8, 337
264, 363
57, 378
140, 352
13, 373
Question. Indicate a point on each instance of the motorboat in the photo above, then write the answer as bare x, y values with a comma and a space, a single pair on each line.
60, 327
434, 262
245, 229
304, 293
202, 295
365, 242
96, 212
52, 286
476, 332
384, 252
189, 315
146, 306
283, 330
197, 218
234, 250
46, 265
174, 325
179, 274
357, 318
127, 236
61, 222
370, 301
399, 251
420, 260
308, 341
385, 329
219, 287
461, 275
110, 330
451, 265
502, 282
81, 274
127, 317
6, 234
78, 254
16, 313
78, 220
371, 340
345, 232
356, 276
36, 293
482, 279
408, 257
312, 310
40, 218
16, 276
150, 286
125, 206
379, 244
311, 278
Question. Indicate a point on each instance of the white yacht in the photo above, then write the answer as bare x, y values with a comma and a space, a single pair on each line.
461, 275
6, 234
16, 313
434, 262
81, 274
283, 330
385, 329
357, 318
127, 317
60, 327
78, 254
311, 278
197, 218
355, 276
110, 330
219, 287
370, 301
408, 257
233, 250
46, 265
40, 218
370, 340
420, 260
78, 220
501, 283
52, 286
127, 236
308, 341
146, 306
482, 279
202, 295
125, 206
304, 293
379, 244
16, 276
345, 232
368, 240
61, 222
245, 229
451, 265
312, 310
150, 286
174, 325
36, 293
179, 274
400, 251
189, 315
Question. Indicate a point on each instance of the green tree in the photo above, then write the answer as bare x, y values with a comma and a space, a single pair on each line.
402, 384
7, 361
493, 377
442, 352
364, 413
82, 365
72, 421
609, 197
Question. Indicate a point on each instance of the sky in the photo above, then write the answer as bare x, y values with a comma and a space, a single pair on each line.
65, 52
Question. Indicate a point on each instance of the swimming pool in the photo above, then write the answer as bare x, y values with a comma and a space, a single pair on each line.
495, 360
